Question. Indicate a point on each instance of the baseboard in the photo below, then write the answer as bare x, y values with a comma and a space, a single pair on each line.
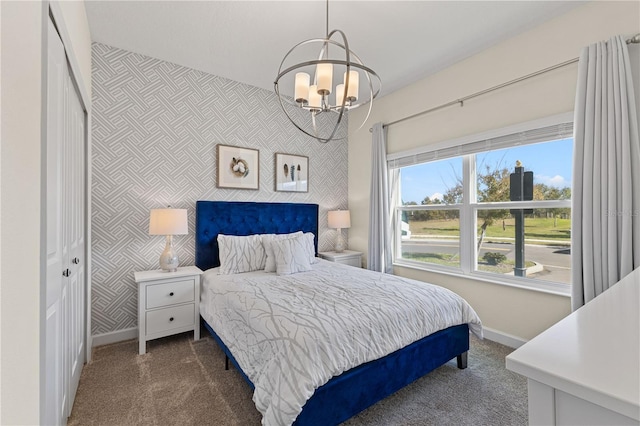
502, 338
132, 333
114, 336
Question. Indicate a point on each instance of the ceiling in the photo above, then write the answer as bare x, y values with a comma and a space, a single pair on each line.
403, 41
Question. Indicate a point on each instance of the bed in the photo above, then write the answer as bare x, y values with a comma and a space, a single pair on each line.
334, 397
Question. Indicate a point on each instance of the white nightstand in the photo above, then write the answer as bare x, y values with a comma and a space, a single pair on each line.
347, 257
168, 303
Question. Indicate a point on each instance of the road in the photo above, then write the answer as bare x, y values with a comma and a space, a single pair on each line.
555, 259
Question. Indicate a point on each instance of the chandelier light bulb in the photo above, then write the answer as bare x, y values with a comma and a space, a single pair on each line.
339, 95
354, 81
302, 87
315, 98
324, 77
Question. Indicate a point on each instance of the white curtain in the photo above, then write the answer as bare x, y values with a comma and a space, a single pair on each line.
379, 248
606, 174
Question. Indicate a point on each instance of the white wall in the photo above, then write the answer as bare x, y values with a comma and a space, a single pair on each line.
77, 27
0, 222
513, 311
21, 191
20, 233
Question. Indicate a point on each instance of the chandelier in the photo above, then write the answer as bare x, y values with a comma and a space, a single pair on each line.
316, 107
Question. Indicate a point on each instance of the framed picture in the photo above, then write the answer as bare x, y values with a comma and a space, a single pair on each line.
292, 173
238, 167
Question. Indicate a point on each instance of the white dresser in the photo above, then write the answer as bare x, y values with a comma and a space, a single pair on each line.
347, 257
585, 370
168, 303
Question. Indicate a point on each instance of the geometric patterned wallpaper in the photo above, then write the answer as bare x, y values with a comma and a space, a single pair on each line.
155, 128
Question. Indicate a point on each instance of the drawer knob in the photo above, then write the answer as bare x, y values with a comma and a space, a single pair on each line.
171, 294
170, 319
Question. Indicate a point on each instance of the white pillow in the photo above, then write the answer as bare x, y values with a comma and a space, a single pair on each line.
267, 239
310, 248
291, 256
241, 254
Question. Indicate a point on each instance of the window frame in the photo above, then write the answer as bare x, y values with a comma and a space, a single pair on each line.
469, 208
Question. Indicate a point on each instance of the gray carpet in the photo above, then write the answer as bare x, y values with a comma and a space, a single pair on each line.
182, 382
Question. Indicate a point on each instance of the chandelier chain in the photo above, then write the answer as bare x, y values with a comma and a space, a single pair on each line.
327, 21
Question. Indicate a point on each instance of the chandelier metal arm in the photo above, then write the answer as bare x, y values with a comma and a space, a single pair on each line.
327, 61
313, 119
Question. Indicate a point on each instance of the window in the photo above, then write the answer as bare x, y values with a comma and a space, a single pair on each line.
459, 208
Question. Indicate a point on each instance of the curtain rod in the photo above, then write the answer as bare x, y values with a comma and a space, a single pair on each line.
634, 39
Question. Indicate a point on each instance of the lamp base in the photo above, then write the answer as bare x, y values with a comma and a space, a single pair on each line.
169, 258
341, 244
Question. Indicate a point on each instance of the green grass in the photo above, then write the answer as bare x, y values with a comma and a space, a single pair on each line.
536, 229
437, 258
454, 261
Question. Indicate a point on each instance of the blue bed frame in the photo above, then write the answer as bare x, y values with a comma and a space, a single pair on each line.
356, 389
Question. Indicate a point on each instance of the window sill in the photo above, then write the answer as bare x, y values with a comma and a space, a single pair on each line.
548, 287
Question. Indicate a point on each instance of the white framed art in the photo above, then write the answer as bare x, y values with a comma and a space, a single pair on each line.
238, 167
292, 173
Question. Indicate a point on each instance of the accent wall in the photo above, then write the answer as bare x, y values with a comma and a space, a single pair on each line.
155, 129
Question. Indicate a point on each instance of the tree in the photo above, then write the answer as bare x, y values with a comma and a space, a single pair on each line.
493, 185
544, 192
454, 194
424, 215
433, 214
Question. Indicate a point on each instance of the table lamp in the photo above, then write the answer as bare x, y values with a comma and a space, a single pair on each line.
339, 219
168, 222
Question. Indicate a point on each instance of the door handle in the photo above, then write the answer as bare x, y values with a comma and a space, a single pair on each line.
66, 273
75, 261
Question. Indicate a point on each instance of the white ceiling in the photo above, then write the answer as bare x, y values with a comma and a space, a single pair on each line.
245, 41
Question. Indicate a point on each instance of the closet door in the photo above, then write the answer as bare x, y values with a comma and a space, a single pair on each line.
55, 402
66, 305
76, 232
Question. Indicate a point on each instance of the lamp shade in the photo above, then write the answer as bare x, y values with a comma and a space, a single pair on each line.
168, 222
339, 219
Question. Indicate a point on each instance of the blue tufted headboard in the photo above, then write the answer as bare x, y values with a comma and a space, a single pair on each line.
246, 218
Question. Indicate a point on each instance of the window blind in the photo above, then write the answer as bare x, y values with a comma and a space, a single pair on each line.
535, 135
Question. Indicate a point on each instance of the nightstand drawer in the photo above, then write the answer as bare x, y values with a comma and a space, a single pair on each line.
347, 257
169, 318
351, 261
170, 293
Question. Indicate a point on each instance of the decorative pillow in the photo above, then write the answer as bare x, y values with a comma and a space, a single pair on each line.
310, 248
267, 240
241, 254
291, 256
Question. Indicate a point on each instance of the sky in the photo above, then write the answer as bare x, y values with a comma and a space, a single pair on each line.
550, 163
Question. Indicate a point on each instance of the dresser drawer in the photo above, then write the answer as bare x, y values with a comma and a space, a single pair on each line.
170, 293
169, 318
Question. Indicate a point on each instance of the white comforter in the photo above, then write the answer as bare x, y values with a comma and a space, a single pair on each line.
291, 334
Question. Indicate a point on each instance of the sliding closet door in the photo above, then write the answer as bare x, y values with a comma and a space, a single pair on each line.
56, 282
76, 232
66, 280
